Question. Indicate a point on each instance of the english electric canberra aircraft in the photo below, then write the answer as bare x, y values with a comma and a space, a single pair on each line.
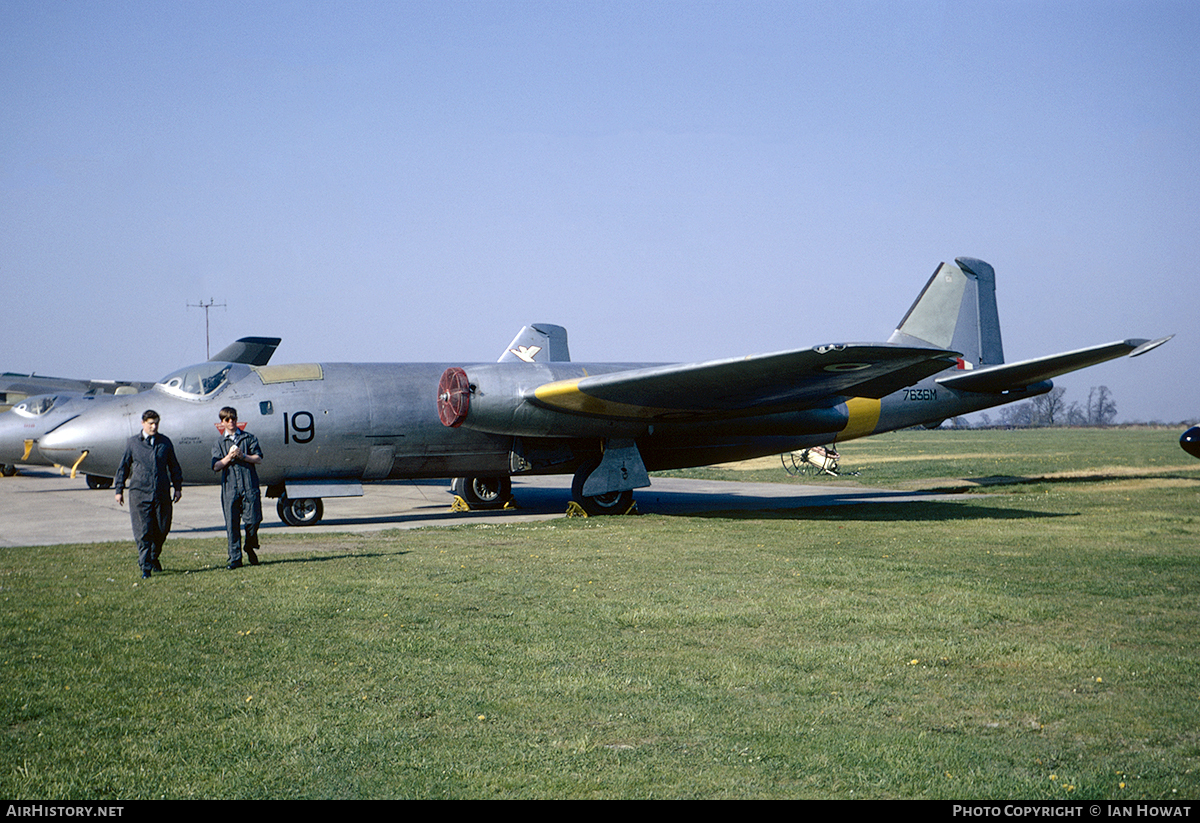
327, 427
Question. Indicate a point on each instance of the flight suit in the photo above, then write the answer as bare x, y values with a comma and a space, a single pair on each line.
240, 500
152, 470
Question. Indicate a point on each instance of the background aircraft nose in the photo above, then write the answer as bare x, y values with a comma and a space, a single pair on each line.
1190, 440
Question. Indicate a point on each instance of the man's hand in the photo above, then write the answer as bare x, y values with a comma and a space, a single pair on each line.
120, 499
176, 497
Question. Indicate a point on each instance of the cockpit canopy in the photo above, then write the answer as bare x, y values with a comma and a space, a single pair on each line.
199, 381
36, 406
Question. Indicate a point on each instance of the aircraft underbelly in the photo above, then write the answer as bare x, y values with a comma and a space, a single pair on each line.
475, 464
679, 455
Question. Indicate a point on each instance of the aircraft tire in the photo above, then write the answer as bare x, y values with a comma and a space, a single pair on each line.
95, 481
305, 511
611, 503
8, 469
483, 492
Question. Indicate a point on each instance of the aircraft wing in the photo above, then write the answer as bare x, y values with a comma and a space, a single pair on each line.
756, 384
1009, 376
28, 385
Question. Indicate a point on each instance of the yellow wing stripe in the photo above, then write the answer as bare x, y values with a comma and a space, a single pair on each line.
565, 395
862, 417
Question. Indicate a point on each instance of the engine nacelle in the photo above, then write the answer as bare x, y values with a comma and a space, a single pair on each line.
495, 398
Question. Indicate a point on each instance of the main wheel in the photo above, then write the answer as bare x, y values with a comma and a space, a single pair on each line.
483, 492
306, 511
610, 503
97, 482
8, 469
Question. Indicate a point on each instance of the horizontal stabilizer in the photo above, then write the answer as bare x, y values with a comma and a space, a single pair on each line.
1012, 376
756, 384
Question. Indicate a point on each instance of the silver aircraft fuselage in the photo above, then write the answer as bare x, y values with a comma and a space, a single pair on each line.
374, 421
331, 421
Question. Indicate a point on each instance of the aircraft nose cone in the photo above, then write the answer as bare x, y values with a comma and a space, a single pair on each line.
1190, 441
64, 445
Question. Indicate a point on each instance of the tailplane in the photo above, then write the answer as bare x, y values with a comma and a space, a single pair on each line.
957, 310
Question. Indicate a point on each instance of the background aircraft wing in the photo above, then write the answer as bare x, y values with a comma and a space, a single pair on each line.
16, 387
1008, 376
756, 384
253, 351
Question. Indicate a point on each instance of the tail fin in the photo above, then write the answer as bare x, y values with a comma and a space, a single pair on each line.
957, 310
253, 351
538, 343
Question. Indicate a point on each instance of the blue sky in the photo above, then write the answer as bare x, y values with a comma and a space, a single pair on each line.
671, 181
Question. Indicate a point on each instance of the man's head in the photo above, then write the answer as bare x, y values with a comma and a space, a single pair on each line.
229, 420
149, 422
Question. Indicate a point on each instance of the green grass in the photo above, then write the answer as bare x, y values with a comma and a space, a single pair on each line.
917, 458
1037, 643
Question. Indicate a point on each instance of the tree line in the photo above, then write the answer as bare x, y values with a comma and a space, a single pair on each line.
1052, 409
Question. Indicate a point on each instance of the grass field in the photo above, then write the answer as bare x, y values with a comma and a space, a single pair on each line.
1039, 641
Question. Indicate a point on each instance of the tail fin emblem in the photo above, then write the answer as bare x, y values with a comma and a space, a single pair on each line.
526, 353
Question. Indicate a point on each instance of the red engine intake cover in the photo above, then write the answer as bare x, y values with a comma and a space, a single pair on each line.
454, 397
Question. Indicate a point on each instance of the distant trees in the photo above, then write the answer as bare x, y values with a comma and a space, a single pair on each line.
1101, 410
1052, 409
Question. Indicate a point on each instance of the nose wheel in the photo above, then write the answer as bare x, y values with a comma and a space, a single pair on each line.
304, 511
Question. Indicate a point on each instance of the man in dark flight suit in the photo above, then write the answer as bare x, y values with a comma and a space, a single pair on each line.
152, 469
235, 454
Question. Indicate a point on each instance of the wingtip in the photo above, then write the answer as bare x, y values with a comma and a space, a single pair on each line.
1144, 346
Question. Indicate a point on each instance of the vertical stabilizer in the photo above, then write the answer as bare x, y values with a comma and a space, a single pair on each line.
957, 310
538, 343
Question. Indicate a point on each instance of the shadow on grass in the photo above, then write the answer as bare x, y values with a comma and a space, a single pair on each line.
909, 512
994, 480
323, 557
268, 560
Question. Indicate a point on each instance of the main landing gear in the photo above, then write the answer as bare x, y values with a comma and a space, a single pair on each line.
483, 492
496, 492
304, 511
619, 502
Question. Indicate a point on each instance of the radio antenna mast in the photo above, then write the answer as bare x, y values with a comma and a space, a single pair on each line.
206, 307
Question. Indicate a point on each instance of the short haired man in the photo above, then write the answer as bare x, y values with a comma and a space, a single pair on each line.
235, 455
152, 469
